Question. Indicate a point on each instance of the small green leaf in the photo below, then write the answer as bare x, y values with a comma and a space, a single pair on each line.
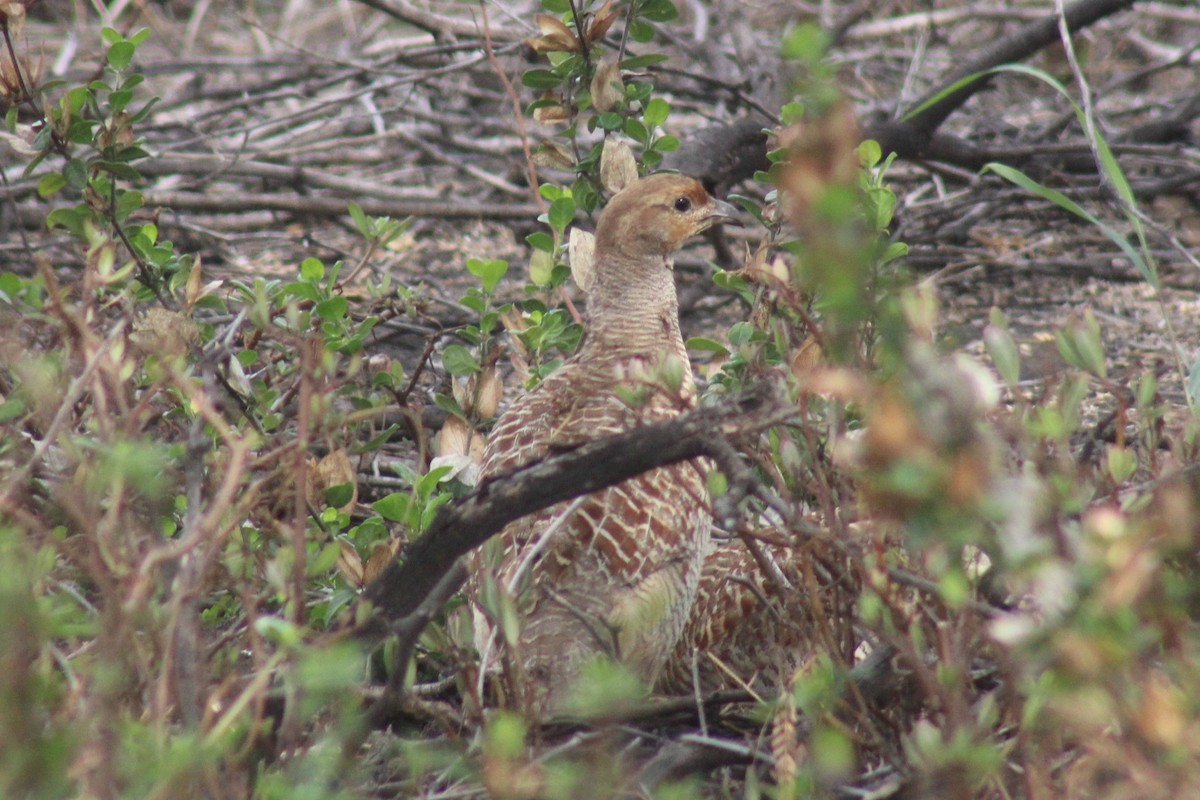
540, 79
120, 54
1004, 353
638, 62
75, 173
431, 479
658, 10
394, 507
656, 112
791, 112
869, 153
50, 184
610, 121
312, 270
562, 213
494, 271
69, 218
333, 309
361, 223
666, 144
339, 495
541, 267
541, 241
458, 360
705, 345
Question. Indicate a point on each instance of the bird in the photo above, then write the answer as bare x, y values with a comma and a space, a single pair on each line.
759, 615
613, 574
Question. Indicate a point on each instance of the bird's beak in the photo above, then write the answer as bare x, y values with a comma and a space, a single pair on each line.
722, 212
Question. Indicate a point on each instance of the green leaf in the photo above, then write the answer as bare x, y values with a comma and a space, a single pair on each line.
1067, 204
1004, 353
333, 309
431, 479
635, 130
869, 153
541, 241
394, 507
312, 270
119, 170
448, 404
658, 10
540, 79
640, 31
75, 173
706, 345
541, 267
562, 213
458, 360
119, 99
666, 144
638, 62
360, 220
50, 184
610, 121
339, 495
656, 112
791, 112
120, 54
69, 218
494, 271
110, 36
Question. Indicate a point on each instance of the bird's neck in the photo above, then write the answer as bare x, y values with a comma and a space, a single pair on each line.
633, 310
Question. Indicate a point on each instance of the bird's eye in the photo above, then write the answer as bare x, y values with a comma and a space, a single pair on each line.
682, 205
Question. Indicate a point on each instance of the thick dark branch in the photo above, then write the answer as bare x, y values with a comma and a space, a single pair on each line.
334, 206
405, 586
911, 136
724, 155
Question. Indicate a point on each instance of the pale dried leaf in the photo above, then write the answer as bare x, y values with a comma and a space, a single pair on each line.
607, 89
464, 468
165, 333
552, 154
489, 394
454, 438
349, 563
618, 168
18, 144
581, 250
602, 20
236, 377
382, 555
555, 36
334, 469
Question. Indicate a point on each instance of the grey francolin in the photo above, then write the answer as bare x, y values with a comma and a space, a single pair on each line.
757, 619
611, 574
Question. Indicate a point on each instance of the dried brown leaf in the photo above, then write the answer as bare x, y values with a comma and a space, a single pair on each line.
581, 250
607, 90
555, 36
618, 168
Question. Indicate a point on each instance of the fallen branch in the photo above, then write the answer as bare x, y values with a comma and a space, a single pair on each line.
410, 592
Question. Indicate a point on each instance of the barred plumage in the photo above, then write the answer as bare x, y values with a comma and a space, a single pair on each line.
613, 573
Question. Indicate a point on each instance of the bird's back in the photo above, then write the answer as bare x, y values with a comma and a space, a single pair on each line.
612, 573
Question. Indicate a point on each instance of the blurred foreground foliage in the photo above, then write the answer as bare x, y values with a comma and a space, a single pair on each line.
182, 519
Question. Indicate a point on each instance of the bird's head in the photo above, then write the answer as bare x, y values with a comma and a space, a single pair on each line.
653, 216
